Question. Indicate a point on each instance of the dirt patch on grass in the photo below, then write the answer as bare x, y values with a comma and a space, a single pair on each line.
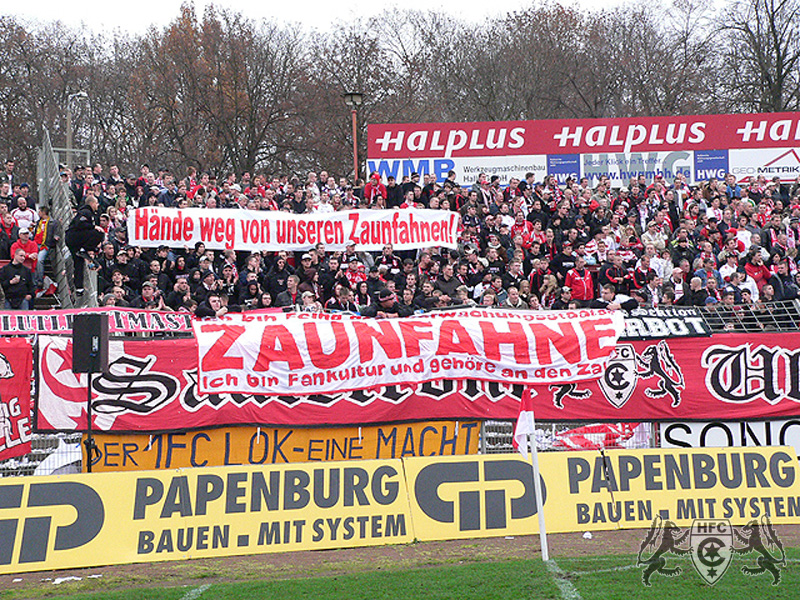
327, 563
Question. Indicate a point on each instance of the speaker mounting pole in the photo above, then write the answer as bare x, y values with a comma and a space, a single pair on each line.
90, 355
92, 451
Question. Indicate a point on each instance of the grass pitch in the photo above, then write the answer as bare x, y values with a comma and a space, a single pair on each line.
586, 578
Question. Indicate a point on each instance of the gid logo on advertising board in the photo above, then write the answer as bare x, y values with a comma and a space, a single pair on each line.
36, 530
476, 495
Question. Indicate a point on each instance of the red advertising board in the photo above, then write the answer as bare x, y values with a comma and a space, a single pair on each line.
16, 363
696, 148
584, 136
152, 386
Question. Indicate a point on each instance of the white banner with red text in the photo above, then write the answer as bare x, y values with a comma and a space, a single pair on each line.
308, 353
257, 230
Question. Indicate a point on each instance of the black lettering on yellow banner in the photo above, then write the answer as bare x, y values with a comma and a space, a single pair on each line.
115, 518
479, 496
267, 445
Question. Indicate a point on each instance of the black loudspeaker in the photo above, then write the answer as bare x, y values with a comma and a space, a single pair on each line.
90, 343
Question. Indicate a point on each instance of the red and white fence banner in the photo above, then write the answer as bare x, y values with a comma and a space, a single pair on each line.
121, 320
259, 230
598, 436
16, 363
312, 353
152, 386
726, 376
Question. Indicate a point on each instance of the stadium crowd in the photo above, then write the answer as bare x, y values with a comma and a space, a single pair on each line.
525, 245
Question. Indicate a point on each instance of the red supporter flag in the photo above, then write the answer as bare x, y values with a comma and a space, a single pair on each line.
525, 423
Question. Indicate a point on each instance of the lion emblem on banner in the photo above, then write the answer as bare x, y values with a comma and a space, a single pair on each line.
623, 373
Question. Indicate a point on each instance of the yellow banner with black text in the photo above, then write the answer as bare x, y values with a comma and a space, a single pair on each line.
481, 496
114, 518
127, 517
230, 446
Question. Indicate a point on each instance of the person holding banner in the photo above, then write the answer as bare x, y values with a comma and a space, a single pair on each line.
387, 307
609, 299
211, 307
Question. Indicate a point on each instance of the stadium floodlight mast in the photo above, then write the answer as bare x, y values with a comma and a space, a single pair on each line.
354, 100
77, 95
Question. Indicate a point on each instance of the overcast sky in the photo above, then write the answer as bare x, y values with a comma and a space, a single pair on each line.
140, 14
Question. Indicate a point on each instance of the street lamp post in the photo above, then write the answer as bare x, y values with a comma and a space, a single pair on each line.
70, 98
354, 100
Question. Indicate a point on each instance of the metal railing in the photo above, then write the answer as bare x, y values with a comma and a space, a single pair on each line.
57, 196
59, 452
758, 317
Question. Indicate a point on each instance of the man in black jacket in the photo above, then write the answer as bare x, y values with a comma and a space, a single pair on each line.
783, 282
83, 236
612, 301
387, 306
394, 193
17, 282
697, 295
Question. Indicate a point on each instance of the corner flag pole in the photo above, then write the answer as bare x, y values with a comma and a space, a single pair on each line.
537, 487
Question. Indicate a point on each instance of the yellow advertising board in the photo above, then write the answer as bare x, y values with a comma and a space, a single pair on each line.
230, 446
481, 496
113, 518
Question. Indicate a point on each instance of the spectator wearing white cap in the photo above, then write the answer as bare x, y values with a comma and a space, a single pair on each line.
31, 248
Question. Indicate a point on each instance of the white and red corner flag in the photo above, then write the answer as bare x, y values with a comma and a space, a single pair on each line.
525, 429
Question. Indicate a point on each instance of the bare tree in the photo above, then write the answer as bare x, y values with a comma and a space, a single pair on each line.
224, 93
762, 40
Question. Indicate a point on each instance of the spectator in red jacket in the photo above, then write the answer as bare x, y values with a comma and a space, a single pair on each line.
756, 269
579, 280
374, 189
30, 247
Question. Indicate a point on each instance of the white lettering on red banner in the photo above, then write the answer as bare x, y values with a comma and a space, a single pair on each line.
498, 138
309, 353
16, 364
252, 230
121, 320
698, 147
153, 386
